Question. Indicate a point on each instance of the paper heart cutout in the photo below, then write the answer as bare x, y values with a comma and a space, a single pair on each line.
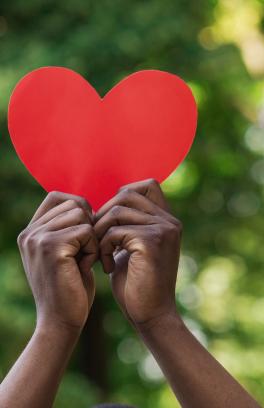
74, 141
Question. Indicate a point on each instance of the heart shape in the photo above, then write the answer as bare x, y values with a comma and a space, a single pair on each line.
74, 141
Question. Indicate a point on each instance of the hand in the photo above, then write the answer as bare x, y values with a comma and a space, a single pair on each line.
139, 247
58, 249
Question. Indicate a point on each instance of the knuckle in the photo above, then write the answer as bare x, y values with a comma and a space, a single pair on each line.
115, 210
72, 203
53, 195
173, 231
152, 236
111, 230
32, 242
126, 191
126, 196
153, 185
22, 237
27, 240
78, 213
44, 242
123, 188
153, 182
157, 235
164, 232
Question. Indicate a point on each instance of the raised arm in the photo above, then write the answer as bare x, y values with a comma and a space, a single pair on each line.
140, 246
63, 289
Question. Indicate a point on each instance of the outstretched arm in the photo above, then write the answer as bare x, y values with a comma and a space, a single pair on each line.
34, 379
63, 288
140, 246
197, 379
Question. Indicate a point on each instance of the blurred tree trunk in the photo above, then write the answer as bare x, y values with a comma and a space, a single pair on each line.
92, 356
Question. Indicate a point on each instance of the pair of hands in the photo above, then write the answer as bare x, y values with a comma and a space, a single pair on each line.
138, 242
134, 236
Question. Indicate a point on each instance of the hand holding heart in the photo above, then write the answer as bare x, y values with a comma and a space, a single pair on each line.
144, 268
134, 235
58, 249
73, 141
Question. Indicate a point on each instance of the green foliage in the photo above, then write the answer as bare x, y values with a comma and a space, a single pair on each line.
217, 192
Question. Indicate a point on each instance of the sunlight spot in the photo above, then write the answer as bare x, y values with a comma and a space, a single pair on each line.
149, 369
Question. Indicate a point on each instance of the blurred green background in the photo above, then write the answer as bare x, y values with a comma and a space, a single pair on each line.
218, 48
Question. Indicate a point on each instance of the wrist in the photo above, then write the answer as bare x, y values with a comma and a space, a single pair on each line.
58, 330
161, 322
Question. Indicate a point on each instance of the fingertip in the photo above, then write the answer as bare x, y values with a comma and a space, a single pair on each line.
108, 264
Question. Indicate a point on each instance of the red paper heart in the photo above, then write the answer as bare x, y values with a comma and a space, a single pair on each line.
73, 141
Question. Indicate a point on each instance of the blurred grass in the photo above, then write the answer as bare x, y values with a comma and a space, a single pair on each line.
218, 48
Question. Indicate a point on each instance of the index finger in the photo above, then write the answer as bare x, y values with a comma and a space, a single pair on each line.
132, 199
55, 198
151, 189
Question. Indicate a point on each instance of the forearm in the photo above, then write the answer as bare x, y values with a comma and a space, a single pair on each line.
35, 377
196, 378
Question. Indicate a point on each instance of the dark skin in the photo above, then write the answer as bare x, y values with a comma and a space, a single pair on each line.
150, 240
138, 242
